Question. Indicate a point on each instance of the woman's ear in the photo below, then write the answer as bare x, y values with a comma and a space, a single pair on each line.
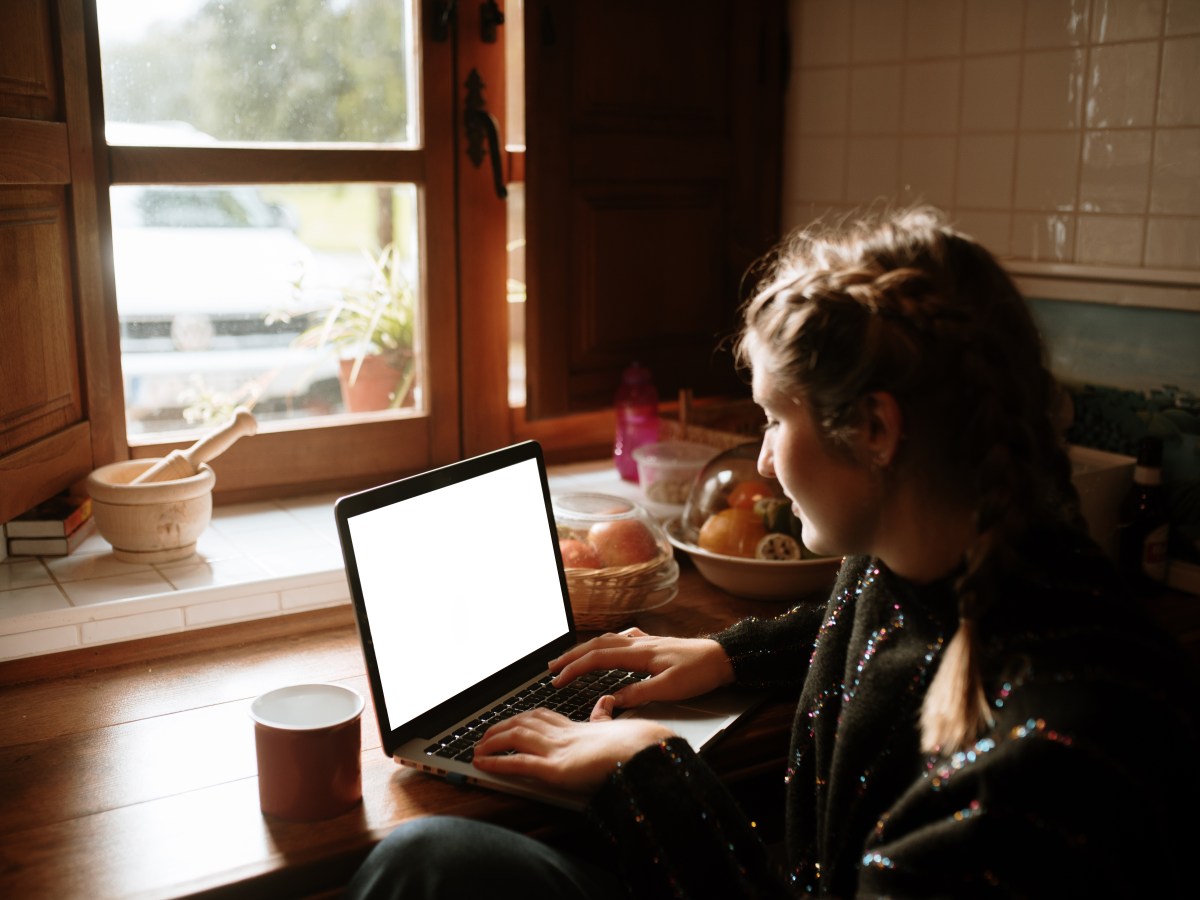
883, 428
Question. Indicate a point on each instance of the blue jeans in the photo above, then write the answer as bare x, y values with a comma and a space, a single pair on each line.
447, 857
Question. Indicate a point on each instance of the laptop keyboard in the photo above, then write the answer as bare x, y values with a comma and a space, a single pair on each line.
575, 701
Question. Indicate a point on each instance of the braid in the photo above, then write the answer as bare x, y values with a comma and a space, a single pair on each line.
906, 305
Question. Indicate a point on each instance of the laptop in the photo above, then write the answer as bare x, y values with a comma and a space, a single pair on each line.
461, 599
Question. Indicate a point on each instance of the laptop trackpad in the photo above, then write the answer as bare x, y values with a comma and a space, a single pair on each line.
699, 727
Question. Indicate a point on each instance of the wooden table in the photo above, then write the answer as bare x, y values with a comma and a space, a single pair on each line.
129, 770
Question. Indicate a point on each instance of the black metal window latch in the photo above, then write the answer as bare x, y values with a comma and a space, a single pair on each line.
481, 127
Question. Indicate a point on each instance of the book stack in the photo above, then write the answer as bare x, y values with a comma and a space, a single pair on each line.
53, 528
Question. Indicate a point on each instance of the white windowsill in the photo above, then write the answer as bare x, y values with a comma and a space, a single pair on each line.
254, 561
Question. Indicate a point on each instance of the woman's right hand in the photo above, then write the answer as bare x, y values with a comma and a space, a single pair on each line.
679, 668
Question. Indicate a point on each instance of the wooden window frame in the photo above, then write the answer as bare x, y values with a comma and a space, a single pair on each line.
334, 452
464, 281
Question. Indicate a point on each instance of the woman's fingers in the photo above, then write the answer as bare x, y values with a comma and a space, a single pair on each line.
527, 732
530, 745
520, 764
678, 668
602, 641
520, 738
603, 710
639, 693
575, 755
628, 656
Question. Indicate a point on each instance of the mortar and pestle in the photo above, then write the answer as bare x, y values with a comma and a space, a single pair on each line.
153, 510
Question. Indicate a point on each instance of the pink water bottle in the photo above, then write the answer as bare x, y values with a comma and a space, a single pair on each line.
636, 405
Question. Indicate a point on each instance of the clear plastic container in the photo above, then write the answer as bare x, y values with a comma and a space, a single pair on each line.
617, 557
601, 531
668, 469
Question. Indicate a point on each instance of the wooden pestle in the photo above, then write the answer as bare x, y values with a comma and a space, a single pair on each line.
185, 463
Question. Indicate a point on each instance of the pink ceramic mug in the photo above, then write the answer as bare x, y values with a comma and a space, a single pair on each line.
309, 744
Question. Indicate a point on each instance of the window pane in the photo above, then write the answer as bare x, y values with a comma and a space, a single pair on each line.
272, 296
514, 75
259, 70
516, 292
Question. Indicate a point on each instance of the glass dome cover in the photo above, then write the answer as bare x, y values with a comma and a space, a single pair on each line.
730, 478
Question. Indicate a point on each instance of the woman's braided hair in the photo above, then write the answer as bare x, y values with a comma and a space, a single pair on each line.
902, 303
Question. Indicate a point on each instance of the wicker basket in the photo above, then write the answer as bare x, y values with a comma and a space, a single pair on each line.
722, 424
612, 598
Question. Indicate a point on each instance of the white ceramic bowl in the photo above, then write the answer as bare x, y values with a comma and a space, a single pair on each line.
758, 579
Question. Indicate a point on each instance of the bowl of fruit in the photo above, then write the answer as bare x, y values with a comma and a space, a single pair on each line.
741, 533
617, 558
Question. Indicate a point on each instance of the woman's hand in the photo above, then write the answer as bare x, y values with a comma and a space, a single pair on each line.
679, 668
575, 756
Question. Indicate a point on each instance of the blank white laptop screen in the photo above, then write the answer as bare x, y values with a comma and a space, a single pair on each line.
458, 583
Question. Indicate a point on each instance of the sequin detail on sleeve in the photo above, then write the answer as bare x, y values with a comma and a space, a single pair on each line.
837, 688
878, 637
940, 770
840, 691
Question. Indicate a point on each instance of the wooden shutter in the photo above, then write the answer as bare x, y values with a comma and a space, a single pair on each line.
653, 181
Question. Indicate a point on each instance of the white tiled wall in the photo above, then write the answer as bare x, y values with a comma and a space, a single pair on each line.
1063, 131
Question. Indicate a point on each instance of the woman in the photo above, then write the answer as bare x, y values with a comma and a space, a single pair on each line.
981, 710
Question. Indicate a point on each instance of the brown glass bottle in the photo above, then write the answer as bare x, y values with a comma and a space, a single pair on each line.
1142, 523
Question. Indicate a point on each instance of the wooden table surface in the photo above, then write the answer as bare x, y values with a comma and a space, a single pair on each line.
129, 770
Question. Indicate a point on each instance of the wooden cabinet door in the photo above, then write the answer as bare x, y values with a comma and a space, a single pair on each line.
51, 294
653, 182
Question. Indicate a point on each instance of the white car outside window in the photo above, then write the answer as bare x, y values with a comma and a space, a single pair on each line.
199, 272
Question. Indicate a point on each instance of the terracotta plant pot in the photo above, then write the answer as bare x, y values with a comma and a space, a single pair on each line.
375, 387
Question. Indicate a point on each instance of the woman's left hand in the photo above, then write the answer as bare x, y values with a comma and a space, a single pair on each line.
575, 756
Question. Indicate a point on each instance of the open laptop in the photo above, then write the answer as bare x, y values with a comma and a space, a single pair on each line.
461, 600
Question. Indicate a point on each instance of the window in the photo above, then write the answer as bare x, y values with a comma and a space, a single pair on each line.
242, 295
281, 196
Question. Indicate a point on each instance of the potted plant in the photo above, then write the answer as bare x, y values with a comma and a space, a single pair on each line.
371, 328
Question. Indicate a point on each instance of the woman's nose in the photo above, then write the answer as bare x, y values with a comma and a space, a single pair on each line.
766, 458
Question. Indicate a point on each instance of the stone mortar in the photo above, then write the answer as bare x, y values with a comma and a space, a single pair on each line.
153, 522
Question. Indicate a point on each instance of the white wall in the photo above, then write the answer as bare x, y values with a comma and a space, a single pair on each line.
1060, 131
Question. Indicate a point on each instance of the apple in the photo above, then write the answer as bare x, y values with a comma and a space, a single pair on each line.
623, 542
577, 554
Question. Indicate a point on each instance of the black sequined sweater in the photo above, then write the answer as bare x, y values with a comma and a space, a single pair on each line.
1085, 786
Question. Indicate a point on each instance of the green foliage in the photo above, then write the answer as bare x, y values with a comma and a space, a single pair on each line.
206, 406
305, 70
374, 317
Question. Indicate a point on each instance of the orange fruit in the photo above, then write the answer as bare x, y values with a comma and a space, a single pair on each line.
746, 493
732, 532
